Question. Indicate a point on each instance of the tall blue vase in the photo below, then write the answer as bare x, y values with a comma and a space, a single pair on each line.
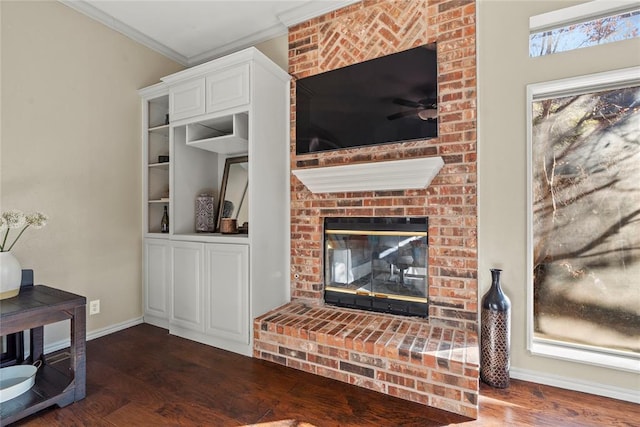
495, 335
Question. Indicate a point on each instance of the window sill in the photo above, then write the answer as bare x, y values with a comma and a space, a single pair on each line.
624, 361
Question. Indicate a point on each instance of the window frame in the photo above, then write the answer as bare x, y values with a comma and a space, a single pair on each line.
575, 15
614, 79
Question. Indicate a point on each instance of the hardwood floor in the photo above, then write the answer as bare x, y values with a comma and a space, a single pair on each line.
144, 377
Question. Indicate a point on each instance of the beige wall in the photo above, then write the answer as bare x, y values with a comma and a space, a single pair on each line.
70, 147
277, 49
504, 70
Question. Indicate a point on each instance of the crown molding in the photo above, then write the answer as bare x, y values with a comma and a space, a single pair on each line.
294, 16
306, 11
236, 45
92, 12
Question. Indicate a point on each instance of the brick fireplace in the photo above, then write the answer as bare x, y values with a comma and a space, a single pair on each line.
430, 361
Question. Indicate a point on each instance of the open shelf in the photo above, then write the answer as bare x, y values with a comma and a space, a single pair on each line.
163, 165
160, 130
155, 210
240, 238
223, 135
158, 109
49, 389
157, 145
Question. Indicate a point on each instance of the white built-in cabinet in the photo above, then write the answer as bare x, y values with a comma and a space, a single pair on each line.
209, 287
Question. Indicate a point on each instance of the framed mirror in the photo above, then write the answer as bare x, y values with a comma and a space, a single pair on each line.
233, 201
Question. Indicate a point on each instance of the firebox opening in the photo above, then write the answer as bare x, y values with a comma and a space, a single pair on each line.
377, 264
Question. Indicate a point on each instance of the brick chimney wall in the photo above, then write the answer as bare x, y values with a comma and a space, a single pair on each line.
367, 30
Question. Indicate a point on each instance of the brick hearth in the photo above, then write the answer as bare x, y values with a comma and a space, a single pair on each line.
406, 365
400, 356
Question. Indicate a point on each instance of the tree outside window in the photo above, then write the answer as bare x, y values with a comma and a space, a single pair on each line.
585, 219
584, 34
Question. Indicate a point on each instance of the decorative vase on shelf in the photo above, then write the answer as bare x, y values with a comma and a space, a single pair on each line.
205, 215
10, 275
495, 334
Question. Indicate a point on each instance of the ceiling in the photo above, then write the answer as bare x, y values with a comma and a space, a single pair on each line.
194, 31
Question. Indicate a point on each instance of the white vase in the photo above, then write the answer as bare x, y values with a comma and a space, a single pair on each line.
10, 275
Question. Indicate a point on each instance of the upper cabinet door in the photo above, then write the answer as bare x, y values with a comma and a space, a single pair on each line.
186, 99
228, 88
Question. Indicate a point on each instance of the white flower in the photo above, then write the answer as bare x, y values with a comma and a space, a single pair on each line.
15, 218
37, 219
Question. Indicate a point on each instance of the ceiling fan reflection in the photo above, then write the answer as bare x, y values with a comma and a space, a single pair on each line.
425, 109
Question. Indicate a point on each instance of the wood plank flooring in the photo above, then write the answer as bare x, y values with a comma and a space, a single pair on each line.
144, 377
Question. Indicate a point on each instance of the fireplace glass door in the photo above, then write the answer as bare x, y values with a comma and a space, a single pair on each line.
377, 264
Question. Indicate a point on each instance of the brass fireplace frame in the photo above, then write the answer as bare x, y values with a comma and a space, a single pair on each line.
357, 284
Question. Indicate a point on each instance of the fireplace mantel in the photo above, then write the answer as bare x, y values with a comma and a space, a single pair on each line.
378, 176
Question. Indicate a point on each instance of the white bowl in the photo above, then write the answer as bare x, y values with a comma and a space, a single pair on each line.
15, 380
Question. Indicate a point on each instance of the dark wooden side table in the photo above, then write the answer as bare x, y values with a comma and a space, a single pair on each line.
32, 308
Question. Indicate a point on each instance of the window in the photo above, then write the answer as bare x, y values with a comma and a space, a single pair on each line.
584, 218
575, 28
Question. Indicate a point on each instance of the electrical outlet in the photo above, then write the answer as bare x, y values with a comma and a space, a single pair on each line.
94, 307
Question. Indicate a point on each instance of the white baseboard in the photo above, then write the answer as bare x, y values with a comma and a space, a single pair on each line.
59, 345
599, 389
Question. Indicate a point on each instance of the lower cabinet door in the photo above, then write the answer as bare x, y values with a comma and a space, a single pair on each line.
157, 268
227, 291
187, 285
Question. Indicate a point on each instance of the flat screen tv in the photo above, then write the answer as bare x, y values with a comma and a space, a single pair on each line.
388, 99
